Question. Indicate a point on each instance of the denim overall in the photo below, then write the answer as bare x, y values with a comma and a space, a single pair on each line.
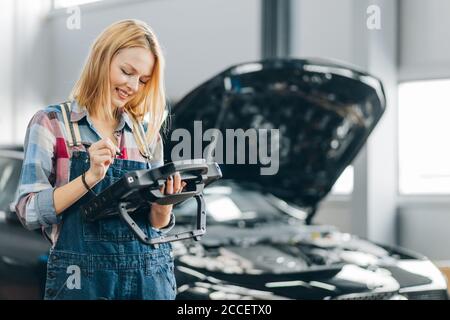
103, 259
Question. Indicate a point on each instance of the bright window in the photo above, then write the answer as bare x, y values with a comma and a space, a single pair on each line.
344, 185
58, 4
424, 133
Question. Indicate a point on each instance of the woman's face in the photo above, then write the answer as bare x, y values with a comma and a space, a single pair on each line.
130, 70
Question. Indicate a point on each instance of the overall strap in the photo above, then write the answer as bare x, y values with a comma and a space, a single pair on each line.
139, 136
73, 139
72, 129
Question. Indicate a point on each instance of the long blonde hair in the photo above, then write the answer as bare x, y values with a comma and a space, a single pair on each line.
92, 90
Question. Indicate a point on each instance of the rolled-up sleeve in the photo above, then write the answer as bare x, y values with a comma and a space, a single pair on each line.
35, 204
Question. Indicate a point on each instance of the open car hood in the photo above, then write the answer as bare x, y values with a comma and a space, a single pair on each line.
324, 113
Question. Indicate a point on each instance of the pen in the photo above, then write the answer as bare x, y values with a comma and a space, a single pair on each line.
118, 152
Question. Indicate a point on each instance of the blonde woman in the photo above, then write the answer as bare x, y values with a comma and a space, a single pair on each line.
79, 148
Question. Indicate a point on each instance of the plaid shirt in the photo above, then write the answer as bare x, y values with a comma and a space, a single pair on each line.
47, 162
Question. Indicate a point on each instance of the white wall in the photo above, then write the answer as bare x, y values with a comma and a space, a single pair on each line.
31, 64
24, 66
335, 211
7, 60
424, 40
200, 38
424, 227
323, 28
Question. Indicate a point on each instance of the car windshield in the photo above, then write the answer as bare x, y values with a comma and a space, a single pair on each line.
229, 202
10, 168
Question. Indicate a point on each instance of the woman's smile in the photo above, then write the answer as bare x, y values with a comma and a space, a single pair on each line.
122, 94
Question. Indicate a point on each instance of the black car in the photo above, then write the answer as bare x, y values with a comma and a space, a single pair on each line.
23, 253
261, 242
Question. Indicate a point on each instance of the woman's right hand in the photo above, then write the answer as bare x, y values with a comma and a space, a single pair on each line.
101, 155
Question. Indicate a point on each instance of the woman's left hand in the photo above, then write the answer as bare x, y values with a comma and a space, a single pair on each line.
160, 214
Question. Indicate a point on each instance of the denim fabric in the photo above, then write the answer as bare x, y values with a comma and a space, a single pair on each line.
103, 259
